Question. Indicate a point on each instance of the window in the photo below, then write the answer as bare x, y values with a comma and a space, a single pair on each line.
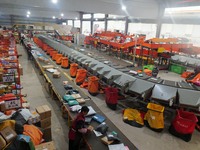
86, 28
64, 23
141, 28
70, 22
116, 26
77, 23
87, 16
99, 15
98, 26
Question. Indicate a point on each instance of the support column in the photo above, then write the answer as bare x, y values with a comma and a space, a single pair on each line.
91, 21
159, 19
73, 23
106, 22
81, 22
12, 20
126, 25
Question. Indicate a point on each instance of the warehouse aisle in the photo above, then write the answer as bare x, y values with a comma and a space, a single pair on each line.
37, 95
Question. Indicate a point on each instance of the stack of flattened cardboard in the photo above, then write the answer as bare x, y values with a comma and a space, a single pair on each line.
45, 121
46, 146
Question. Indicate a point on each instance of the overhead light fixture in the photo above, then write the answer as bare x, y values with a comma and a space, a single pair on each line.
28, 12
62, 14
76, 18
54, 1
53, 17
27, 16
96, 19
114, 17
123, 8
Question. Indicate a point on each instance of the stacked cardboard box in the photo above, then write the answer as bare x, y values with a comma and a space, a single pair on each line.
6, 136
45, 121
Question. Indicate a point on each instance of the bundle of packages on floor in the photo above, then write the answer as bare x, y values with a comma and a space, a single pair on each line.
26, 129
182, 126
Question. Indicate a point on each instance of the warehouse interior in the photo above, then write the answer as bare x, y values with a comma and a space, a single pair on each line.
135, 64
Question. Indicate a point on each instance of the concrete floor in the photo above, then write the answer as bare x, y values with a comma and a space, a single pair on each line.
37, 95
142, 138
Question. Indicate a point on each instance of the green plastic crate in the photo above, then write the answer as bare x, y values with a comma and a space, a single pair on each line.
177, 69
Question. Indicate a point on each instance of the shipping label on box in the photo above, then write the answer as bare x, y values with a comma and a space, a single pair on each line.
10, 104
13, 71
8, 78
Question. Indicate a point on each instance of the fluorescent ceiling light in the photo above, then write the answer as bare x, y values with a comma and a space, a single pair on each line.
54, 1
124, 8
27, 16
28, 12
179, 10
96, 19
76, 18
53, 17
62, 14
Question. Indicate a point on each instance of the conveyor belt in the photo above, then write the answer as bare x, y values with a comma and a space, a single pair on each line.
110, 76
57, 86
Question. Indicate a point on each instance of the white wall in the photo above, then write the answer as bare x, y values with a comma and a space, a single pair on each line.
192, 32
141, 28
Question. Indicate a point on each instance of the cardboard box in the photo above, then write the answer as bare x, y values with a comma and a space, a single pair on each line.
3, 106
47, 136
56, 74
34, 118
105, 140
45, 123
2, 142
44, 111
46, 146
81, 100
26, 105
20, 70
8, 134
48, 67
15, 103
